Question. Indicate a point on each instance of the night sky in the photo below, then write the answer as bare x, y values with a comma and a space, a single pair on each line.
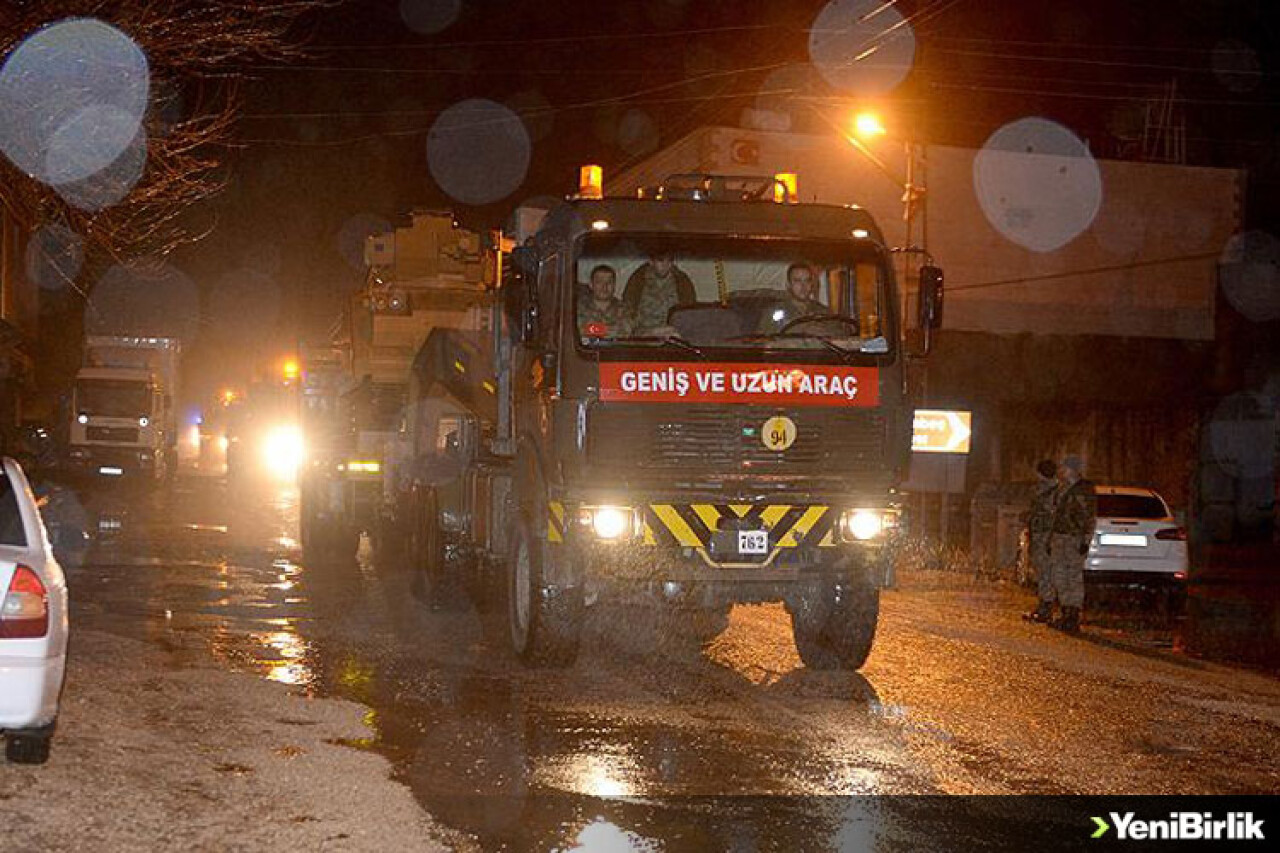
337, 146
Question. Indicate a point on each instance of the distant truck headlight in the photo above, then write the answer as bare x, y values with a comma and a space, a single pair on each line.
143, 421
82, 418
282, 452
609, 523
865, 525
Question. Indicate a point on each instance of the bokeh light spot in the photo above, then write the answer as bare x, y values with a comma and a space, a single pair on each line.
862, 47
73, 95
478, 151
109, 186
429, 17
144, 299
245, 307
54, 257
1249, 271
354, 232
637, 133
1037, 183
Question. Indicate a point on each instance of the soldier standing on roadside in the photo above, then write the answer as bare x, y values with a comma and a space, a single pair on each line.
1039, 519
1075, 515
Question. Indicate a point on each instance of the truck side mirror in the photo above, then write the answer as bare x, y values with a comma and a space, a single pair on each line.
931, 298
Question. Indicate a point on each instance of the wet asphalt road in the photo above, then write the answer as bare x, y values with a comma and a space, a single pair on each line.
736, 746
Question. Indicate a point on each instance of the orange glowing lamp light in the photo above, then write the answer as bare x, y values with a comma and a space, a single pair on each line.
785, 188
868, 125
291, 369
591, 182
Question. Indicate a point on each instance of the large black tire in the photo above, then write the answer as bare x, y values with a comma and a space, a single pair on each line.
28, 748
545, 622
434, 582
835, 625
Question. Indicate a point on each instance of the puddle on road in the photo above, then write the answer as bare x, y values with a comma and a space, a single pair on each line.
559, 761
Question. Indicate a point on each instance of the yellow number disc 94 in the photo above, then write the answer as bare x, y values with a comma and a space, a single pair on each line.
778, 433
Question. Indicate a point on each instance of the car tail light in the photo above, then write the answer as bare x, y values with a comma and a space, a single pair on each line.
1176, 534
24, 612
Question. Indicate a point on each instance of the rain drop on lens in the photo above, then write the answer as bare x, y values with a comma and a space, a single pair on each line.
147, 298
478, 151
862, 47
429, 17
54, 257
74, 94
1037, 183
1249, 273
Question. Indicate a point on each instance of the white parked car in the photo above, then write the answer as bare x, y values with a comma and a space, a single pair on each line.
1138, 541
33, 623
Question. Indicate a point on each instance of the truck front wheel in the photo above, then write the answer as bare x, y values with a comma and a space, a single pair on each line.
835, 624
546, 621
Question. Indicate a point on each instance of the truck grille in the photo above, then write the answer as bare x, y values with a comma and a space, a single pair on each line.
125, 435
728, 437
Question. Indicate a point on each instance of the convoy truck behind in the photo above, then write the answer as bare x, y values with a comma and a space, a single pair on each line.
123, 408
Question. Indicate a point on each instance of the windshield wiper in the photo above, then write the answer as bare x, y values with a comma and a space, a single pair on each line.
669, 340
760, 337
826, 342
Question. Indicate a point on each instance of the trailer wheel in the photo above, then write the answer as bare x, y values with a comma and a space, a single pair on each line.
545, 621
834, 624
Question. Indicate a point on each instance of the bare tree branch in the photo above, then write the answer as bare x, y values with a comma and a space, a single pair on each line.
193, 49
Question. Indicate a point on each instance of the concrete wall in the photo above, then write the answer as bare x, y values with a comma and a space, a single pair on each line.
1146, 266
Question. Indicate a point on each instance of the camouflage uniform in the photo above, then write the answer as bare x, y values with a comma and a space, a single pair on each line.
612, 315
1075, 515
649, 297
1039, 530
792, 309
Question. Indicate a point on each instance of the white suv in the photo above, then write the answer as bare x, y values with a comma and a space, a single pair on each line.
33, 623
1137, 542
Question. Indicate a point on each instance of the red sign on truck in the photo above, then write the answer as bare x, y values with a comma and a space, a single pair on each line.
759, 384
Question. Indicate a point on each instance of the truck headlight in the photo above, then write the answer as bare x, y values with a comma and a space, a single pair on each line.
143, 421
82, 418
609, 523
865, 525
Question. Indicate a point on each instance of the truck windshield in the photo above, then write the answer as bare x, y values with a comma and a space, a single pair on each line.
113, 398
713, 292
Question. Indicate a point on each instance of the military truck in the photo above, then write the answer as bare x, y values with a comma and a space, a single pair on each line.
742, 451
353, 389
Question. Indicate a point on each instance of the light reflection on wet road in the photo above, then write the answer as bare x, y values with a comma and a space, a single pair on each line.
629, 749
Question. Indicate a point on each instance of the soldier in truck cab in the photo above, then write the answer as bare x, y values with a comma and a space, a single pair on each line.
654, 289
802, 285
600, 313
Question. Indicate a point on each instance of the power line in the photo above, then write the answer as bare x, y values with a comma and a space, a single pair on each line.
1081, 60
1244, 50
1000, 90
1202, 256
570, 40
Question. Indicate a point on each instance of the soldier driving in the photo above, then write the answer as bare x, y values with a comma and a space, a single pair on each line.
802, 285
601, 314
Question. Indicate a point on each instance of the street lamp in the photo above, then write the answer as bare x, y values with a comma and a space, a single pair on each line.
868, 125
